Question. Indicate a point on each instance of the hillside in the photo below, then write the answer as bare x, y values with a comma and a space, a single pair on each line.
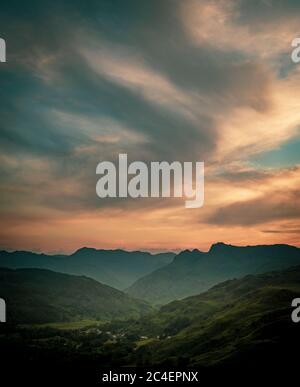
43, 296
192, 272
238, 325
117, 268
239, 322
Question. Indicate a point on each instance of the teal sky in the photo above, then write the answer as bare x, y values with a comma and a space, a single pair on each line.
287, 155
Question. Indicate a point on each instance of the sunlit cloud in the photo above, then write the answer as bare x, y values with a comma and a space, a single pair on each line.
207, 80
222, 25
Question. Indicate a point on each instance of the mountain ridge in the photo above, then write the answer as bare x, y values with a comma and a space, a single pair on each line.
193, 272
117, 268
36, 296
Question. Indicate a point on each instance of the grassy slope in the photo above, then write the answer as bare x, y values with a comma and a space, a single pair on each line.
226, 323
236, 323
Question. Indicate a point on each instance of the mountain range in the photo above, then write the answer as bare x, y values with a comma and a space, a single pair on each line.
238, 325
164, 277
192, 272
116, 268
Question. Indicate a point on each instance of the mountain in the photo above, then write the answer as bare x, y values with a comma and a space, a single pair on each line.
117, 268
43, 296
243, 322
192, 272
240, 326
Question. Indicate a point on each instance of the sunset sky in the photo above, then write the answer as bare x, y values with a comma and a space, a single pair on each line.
188, 80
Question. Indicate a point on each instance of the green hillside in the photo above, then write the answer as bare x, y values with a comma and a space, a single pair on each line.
232, 323
43, 296
236, 325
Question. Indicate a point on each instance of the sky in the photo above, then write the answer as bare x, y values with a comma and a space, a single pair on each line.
160, 80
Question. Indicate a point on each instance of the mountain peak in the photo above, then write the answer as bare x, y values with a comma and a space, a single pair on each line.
187, 251
84, 250
188, 255
219, 246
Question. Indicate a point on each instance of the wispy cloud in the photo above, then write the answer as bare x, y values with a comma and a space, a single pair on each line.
209, 80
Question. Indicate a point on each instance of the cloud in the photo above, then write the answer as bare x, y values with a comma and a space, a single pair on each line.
173, 80
255, 30
292, 231
259, 211
270, 204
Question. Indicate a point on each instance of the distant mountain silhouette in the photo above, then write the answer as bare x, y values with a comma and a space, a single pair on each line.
192, 272
117, 268
43, 296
